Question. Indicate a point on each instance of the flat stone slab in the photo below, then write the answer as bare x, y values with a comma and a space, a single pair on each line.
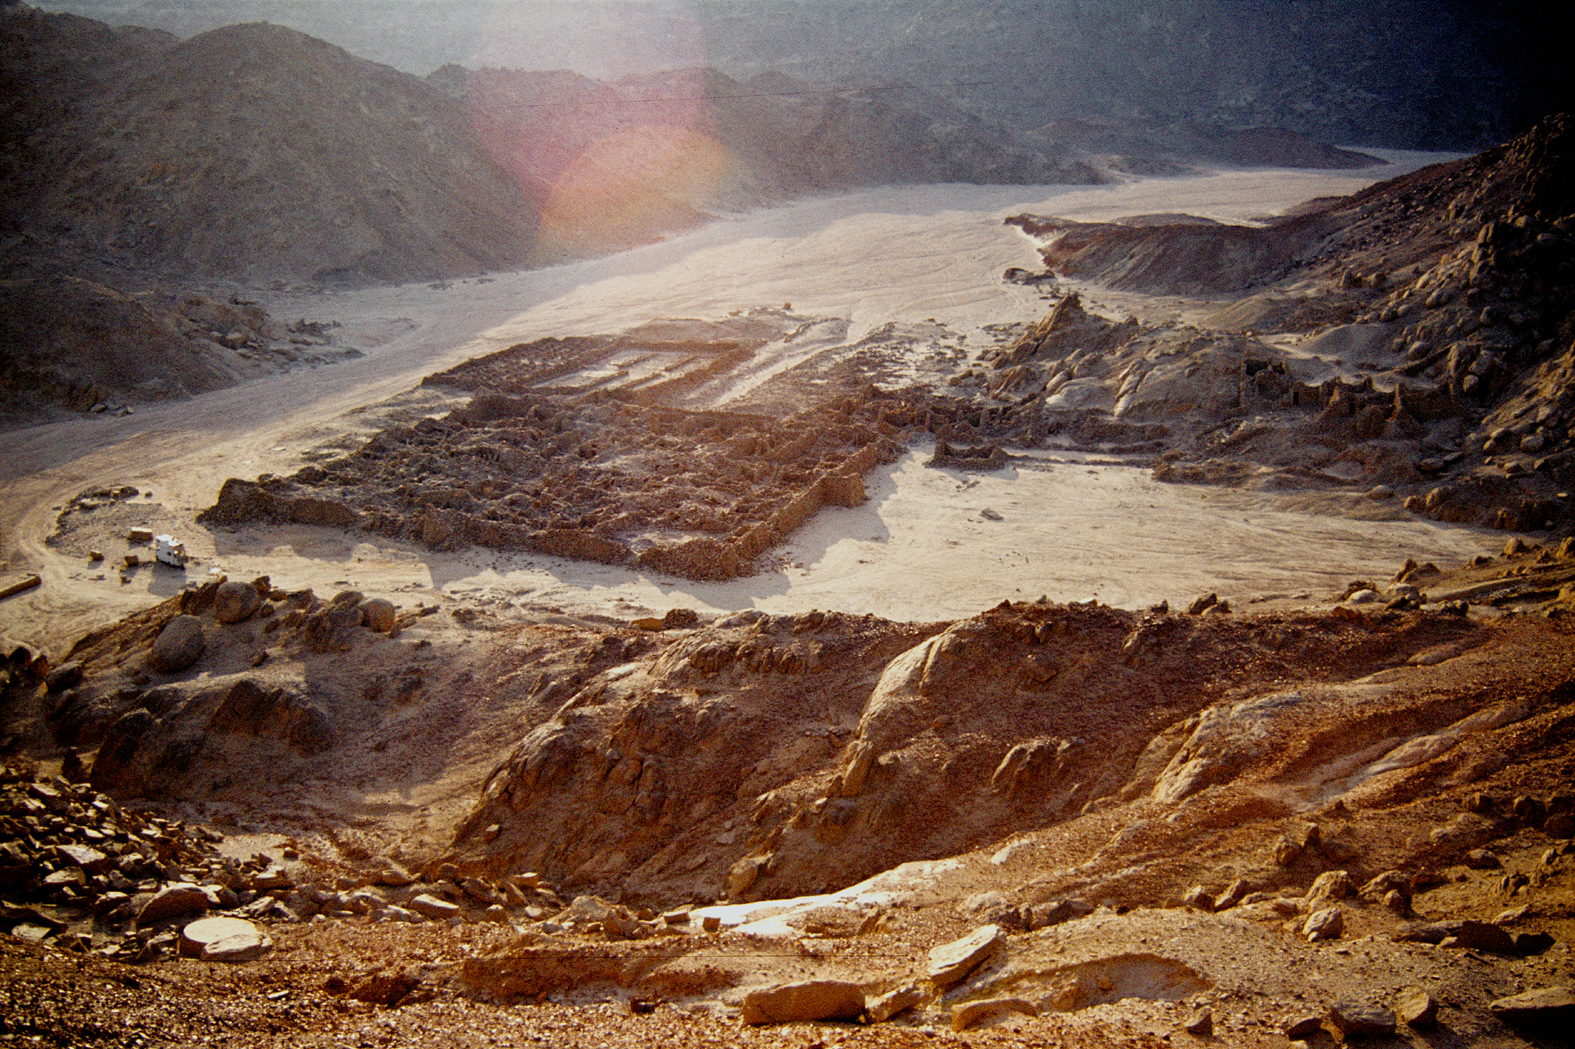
432, 907
950, 962
224, 940
1544, 1006
810, 1000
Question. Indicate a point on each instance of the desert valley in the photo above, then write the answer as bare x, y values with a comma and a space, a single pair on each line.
714, 557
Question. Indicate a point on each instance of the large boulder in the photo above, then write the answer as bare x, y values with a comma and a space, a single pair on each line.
1326, 924
174, 899
250, 709
235, 601
178, 646
1356, 1019
378, 614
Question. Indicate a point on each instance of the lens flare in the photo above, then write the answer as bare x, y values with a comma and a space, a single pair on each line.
611, 163
631, 186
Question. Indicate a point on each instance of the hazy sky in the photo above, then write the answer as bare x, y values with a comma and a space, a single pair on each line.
596, 37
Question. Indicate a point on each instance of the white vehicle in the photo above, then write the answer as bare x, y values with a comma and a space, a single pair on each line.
169, 550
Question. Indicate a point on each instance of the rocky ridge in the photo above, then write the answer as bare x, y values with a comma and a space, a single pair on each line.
258, 153
614, 164
1349, 72
197, 159
1142, 147
1411, 341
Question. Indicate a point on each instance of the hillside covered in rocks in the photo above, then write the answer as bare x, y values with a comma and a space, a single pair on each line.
74, 344
1046, 821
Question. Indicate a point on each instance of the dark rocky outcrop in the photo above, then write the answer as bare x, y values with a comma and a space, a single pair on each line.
1435, 365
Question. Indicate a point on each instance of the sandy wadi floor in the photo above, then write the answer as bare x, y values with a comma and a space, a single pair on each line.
926, 261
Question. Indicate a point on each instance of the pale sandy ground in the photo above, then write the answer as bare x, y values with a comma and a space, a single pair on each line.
919, 549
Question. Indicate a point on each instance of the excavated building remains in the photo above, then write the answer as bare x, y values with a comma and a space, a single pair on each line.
1434, 371
618, 478
583, 447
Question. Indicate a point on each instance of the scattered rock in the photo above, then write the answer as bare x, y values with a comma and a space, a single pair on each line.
1416, 1008
1529, 943
1479, 936
1326, 924
1361, 1019
893, 1002
64, 676
431, 907
174, 900
1331, 885
1201, 1024
387, 988
1302, 1026
1552, 1008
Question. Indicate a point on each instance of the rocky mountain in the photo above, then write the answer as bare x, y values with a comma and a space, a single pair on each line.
1152, 148
256, 153
252, 152
1437, 74
617, 163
